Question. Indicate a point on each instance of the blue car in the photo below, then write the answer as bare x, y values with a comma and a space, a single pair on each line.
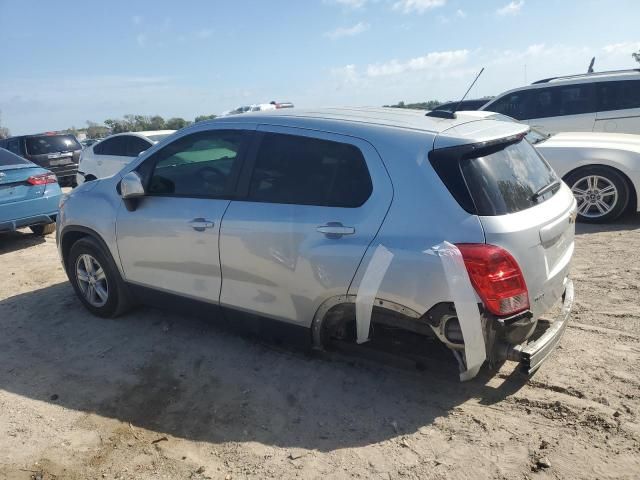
29, 195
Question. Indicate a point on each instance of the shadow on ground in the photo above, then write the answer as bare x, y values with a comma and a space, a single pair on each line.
189, 378
12, 241
628, 222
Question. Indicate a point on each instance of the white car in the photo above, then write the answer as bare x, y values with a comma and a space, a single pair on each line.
257, 107
602, 169
591, 102
110, 155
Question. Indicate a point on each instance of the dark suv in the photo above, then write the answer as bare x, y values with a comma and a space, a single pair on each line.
58, 152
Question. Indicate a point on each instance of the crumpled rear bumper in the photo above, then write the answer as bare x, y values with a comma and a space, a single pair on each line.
533, 354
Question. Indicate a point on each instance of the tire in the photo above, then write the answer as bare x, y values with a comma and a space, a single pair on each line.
42, 230
601, 192
102, 291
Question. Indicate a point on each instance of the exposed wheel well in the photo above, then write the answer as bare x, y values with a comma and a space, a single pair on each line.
67, 242
633, 197
337, 317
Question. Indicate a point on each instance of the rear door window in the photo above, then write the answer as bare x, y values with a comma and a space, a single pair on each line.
137, 145
516, 105
117, 146
618, 95
44, 144
495, 180
13, 146
293, 169
563, 100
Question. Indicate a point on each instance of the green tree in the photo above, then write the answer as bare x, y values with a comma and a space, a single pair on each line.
4, 131
156, 123
202, 118
176, 123
636, 56
95, 130
429, 105
116, 126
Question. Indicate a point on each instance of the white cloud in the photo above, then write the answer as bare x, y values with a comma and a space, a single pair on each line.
512, 8
417, 6
141, 39
622, 47
434, 60
204, 33
353, 4
346, 76
535, 49
356, 29
461, 13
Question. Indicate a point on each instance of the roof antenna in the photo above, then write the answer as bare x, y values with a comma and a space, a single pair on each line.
590, 69
452, 114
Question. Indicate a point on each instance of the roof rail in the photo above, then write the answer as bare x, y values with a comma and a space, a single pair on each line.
579, 75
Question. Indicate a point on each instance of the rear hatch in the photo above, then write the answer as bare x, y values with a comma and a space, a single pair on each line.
57, 152
523, 207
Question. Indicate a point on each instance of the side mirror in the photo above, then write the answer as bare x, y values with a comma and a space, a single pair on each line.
131, 189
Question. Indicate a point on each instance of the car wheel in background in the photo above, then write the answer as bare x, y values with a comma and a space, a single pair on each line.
41, 230
601, 192
96, 280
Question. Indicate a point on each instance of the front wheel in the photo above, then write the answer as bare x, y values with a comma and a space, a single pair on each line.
96, 280
602, 193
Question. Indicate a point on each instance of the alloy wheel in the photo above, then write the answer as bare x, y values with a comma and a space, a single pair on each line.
596, 196
92, 280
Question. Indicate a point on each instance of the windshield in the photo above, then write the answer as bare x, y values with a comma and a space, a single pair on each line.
52, 144
508, 180
158, 137
9, 159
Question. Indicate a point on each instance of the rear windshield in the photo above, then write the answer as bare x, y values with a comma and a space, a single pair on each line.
158, 137
497, 180
52, 144
8, 159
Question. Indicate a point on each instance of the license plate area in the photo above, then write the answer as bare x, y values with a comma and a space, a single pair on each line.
60, 161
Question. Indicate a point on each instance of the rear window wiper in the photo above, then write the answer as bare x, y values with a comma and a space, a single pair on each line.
545, 189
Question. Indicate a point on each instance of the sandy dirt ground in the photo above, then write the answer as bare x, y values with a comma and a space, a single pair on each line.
158, 395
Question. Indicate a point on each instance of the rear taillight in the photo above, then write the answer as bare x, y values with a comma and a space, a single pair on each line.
42, 179
497, 278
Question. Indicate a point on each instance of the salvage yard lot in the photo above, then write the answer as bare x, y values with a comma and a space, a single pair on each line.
158, 395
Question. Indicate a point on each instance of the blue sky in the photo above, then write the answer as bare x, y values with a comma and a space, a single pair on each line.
67, 62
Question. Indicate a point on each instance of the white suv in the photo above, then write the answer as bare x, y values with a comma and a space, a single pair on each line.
592, 102
108, 156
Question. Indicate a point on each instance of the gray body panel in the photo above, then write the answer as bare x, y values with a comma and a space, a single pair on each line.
274, 259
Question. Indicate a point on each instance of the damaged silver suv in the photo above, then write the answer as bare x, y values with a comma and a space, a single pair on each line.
349, 223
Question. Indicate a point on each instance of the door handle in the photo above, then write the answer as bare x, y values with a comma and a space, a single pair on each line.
201, 224
335, 230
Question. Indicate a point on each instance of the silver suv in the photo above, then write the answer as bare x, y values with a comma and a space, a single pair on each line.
349, 223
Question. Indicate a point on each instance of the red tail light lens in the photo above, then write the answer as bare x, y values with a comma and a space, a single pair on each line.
42, 179
497, 278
